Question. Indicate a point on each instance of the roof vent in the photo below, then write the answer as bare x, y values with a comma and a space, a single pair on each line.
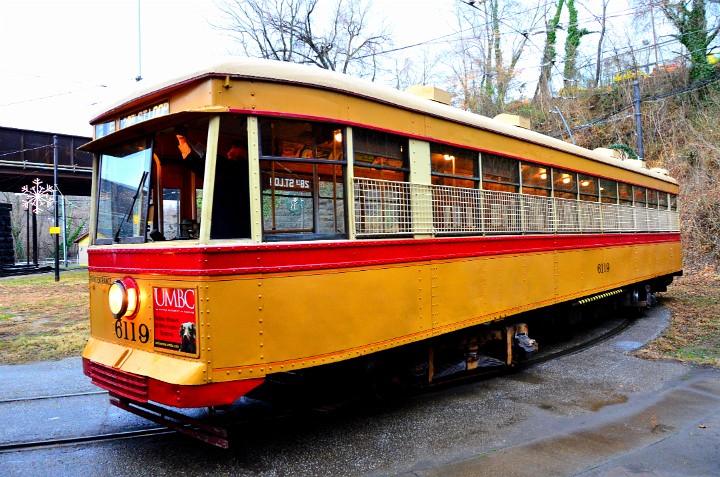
513, 120
622, 155
430, 92
613, 153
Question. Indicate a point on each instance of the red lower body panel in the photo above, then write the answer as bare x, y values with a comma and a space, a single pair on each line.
143, 389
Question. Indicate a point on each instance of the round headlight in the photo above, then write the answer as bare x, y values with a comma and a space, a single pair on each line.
123, 298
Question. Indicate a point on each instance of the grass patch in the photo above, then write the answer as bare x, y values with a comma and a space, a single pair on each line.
43, 319
693, 335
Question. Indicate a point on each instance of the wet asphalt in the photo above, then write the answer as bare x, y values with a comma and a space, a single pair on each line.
598, 412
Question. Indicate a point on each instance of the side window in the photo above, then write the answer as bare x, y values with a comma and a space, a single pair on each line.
381, 207
500, 173
564, 184
664, 200
535, 180
639, 196
588, 188
302, 185
453, 166
652, 198
454, 207
379, 155
625, 193
608, 191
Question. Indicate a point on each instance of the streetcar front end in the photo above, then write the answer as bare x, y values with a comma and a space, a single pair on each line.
148, 344
150, 337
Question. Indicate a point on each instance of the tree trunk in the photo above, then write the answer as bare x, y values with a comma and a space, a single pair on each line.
542, 92
574, 35
598, 67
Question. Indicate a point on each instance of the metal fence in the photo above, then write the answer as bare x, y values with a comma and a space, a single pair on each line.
401, 208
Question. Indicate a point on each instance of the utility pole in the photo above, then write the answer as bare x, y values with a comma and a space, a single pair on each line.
27, 236
64, 229
55, 197
139, 76
638, 121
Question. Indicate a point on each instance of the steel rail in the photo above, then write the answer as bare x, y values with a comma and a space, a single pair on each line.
51, 396
28, 445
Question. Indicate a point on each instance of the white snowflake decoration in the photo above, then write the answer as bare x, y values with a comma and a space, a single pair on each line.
38, 197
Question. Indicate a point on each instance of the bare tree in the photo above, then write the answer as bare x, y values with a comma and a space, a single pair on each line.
482, 70
299, 31
422, 70
602, 19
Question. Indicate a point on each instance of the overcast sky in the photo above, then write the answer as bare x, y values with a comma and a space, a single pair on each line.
60, 58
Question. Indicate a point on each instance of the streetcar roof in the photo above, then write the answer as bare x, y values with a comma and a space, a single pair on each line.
313, 76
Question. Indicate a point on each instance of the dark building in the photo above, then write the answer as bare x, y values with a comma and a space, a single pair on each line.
26, 155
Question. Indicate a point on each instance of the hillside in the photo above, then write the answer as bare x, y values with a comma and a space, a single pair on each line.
681, 133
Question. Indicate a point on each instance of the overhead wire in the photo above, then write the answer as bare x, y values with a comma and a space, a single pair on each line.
46, 97
25, 150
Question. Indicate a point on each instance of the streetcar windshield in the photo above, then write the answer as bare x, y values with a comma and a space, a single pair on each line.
151, 188
123, 193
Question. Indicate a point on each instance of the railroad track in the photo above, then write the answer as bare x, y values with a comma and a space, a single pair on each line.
51, 396
29, 445
322, 408
616, 330
35, 444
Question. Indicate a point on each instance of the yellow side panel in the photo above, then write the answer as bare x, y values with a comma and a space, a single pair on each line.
310, 318
487, 287
231, 320
466, 292
314, 314
587, 271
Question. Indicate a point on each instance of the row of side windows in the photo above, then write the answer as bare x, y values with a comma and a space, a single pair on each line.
459, 167
302, 166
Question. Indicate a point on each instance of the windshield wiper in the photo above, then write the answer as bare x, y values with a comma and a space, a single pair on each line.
132, 205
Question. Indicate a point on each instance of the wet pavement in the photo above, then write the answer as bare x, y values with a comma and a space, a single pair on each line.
599, 412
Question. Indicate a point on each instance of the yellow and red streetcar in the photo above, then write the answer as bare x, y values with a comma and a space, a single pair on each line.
256, 217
